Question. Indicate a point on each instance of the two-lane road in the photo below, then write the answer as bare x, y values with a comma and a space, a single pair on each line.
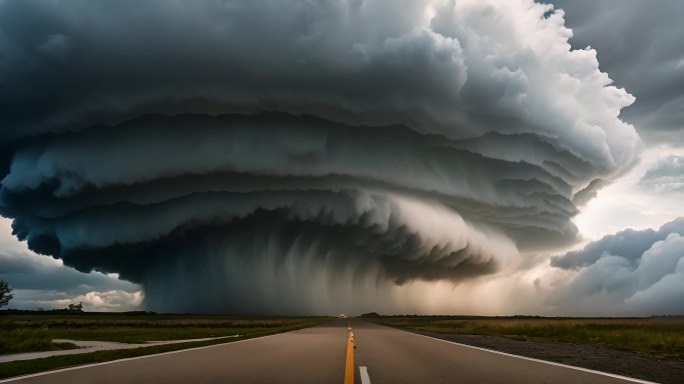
318, 354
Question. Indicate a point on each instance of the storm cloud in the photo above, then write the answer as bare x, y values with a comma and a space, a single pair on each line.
642, 51
630, 272
291, 157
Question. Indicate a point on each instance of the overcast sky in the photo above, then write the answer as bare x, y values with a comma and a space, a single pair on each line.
483, 157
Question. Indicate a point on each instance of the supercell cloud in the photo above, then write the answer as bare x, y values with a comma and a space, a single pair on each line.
289, 157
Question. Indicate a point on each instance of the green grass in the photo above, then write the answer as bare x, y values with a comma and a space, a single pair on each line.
662, 337
20, 340
31, 333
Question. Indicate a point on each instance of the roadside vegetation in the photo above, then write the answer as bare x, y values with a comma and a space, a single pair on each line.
5, 293
658, 336
23, 331
32, 332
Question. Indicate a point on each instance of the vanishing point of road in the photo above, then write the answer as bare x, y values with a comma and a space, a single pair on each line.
320, 355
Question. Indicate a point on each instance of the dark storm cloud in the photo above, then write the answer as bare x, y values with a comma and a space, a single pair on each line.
221, 57
631, 272
639, 45
30, 273
285, 156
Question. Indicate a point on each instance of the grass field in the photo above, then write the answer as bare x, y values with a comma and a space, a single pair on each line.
30, 333
663, 337
34, 332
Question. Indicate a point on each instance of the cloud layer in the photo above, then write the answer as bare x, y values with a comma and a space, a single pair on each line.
631, 272
298, 157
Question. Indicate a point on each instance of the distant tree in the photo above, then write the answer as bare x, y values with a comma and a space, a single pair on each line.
76, 307
5, 293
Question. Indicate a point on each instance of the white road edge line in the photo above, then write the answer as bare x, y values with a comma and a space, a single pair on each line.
541, 361
365, 379
134, 358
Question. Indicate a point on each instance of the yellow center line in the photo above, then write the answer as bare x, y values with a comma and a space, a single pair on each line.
349, 365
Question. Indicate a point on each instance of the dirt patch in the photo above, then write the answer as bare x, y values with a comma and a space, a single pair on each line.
631, 364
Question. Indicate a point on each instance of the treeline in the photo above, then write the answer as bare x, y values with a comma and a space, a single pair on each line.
67, 311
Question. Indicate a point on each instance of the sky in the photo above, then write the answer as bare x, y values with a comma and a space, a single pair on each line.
284, 157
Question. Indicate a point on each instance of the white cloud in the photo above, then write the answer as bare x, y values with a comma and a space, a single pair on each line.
95, 301
619, 283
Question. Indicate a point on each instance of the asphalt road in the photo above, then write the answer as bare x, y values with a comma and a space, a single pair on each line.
317, 355
393, 356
